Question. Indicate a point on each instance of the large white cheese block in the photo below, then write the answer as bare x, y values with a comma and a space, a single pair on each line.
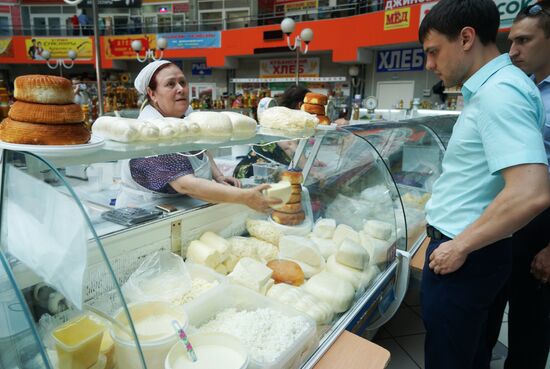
212, 124
377, 249
241, 123
332, 289
280, 117
115, 129
251, 273
302, 249
352, 254
352, 275
344, 231
281, 190
217, 243
264, 230
326, 247
200, 253
309, 271
378, 229
324, 228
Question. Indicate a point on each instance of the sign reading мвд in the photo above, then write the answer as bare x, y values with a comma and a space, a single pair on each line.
400, 60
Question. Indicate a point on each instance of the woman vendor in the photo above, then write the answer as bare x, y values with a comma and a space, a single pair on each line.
148, 180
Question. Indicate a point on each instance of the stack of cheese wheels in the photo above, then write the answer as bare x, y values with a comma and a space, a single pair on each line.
315, 104
44, 113
291, 213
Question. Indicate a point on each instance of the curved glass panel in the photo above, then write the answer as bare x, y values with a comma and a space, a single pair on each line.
413, 153
60, 266
442, 126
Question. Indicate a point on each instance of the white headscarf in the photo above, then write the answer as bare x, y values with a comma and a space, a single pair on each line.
144, 77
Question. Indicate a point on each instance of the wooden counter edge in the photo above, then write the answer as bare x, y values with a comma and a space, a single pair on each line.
417, 261
350, 351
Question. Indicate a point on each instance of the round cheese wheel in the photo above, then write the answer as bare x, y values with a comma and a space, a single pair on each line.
286, 271
44, 113
295, 177
313, 109
43, 134
37, 88
290, 208
296, 190
324, 120
296, 197
316, 99
288, 219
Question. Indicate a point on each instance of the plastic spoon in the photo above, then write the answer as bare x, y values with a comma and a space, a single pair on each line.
183, 337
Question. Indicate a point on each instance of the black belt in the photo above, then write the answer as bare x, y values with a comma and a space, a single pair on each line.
435, 234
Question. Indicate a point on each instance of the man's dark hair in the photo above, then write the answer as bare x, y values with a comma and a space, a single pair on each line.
543, 17
293, 96
449, 17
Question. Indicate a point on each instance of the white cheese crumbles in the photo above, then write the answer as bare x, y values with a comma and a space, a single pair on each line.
266, 333
198, 287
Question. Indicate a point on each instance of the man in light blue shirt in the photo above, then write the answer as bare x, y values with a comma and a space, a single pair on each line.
494, 181
528, 290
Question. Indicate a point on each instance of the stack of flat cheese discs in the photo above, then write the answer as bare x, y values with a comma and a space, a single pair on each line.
315, 104
291, 213
44, 113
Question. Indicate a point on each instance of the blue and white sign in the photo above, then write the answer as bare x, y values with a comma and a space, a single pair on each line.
192, 40
400, 60
200, 69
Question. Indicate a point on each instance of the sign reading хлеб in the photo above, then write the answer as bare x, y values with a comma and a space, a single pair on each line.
400, 60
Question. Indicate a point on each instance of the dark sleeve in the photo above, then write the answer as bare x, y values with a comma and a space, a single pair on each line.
156, 172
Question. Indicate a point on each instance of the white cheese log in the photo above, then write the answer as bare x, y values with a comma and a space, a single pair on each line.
147, 131
324, 228
200, 253
326, 247
378, 229
165, 130
241, 123
280, 117
115, 129
302, 249
216, 242
263, 230
344, 231
352, 254
212, 124
333, 290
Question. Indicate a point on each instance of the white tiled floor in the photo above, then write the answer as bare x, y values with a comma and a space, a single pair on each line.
404, 336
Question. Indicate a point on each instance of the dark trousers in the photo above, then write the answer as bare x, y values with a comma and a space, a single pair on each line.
455, 307
529, 301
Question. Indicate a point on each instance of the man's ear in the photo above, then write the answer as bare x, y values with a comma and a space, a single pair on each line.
467, 37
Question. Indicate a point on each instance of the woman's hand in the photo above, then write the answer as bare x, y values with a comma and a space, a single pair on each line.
256, 200
232, 181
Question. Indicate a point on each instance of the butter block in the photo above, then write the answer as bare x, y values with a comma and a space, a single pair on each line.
344, 231
324, 228
352, 254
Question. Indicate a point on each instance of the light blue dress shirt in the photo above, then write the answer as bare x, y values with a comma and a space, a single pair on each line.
499, 127
544, 87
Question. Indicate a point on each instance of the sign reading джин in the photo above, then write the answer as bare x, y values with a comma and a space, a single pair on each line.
400, 60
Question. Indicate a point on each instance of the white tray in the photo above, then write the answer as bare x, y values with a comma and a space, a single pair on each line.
94, 144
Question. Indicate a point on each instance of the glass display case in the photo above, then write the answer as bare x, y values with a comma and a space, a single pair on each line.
63, 264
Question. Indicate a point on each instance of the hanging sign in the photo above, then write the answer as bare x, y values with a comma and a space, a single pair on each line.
294, 5
120, 47
281, 68
394, 4
400, 60
59, 47
193, 40
200, 69
397, 18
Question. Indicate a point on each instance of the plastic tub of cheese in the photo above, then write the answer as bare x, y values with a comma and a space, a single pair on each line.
275, 335
77, 343
153, 324
213, 350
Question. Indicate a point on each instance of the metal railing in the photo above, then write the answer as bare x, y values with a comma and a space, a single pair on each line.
136, 24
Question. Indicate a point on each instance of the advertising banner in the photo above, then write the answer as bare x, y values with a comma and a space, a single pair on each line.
281, 68
200, 69
193, 40
397, 18
394, 4
294, 5
400, 60
59, 47
6, 48
120, 47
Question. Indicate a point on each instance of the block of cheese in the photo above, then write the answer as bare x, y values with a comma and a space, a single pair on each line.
264, 250
326, 247
193, 128
212, 124
280, 117
115, 129
216, 242
263, 230
377, 249
286, 271
241, 247
378, 229
200, 253
344, 231
309, 271
324, 228
302, 249
332, 289
370, 275
251, 273
352, 254
266, 287
352, 275
281, 190
165, 130
241, 123
230, 262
